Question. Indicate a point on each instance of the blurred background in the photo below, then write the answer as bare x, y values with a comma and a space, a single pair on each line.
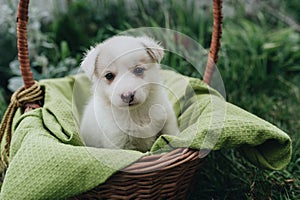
259, 62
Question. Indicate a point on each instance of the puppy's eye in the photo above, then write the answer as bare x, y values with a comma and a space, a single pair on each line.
109, 76
139, 71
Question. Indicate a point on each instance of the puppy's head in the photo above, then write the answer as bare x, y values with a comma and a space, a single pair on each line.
124, 69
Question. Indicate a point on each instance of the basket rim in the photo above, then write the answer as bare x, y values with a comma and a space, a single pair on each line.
166, 160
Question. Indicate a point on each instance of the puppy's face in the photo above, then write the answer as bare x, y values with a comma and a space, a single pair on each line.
124, 69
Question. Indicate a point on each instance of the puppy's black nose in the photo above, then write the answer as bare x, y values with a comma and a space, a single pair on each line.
127, 97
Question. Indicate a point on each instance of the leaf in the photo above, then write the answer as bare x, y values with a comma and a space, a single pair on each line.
15, 67
295, 68
15, 83
64, 50
270, 45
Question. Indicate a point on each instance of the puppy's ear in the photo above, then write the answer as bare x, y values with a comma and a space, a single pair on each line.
88, 64
154, 50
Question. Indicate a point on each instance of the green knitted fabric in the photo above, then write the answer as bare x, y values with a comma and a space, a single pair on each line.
49, 161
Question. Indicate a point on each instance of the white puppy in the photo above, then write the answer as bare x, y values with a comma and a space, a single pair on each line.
129, 107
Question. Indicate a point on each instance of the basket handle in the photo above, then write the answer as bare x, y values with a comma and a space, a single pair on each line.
23, 55
215, 41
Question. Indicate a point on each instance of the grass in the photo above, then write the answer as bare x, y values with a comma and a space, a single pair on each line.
259, 63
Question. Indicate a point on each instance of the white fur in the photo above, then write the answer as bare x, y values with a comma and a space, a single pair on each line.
110, 121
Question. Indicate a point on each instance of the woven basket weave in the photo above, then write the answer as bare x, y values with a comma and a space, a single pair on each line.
163, 176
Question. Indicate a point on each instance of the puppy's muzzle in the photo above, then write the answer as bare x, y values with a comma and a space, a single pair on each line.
128, 97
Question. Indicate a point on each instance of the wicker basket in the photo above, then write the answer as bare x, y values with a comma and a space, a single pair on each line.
163, 176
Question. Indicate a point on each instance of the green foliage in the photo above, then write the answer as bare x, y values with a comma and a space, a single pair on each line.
48, 59
88, 22
293, 7
2, 103
259, 63
8, 40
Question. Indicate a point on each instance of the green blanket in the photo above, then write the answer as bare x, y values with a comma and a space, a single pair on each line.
48, 160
